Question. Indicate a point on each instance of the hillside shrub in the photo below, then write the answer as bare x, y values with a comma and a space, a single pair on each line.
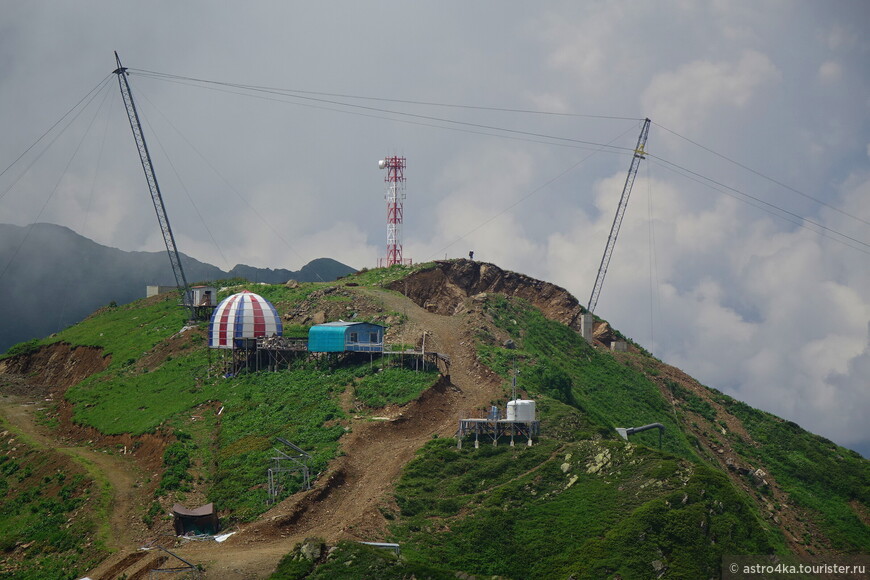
176, 461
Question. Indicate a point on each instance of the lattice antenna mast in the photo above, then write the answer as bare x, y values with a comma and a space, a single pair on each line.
151, 178
620, 212
395, 197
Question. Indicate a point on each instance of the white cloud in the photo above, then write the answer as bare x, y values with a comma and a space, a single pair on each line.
772, 317
841, 37
479, 209
686, 97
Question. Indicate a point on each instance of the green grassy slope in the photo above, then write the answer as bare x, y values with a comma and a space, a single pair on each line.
829, 480
592, 509
826, 479
54, 512
555, 361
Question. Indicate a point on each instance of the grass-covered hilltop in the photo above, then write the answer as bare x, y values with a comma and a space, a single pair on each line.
111, 422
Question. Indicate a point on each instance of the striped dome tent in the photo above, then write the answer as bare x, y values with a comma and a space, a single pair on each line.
243, 315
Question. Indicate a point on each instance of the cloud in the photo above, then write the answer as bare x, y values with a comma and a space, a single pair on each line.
848, 398
840, 36
775, 318
478, 208
684, 98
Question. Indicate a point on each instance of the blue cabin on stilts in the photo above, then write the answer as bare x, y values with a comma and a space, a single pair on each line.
346, 337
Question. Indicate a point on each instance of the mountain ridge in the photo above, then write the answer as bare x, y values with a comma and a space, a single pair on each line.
54, 277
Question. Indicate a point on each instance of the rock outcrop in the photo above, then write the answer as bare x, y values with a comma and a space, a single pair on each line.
445, 288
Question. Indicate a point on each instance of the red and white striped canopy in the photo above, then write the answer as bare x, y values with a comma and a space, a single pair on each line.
243, 315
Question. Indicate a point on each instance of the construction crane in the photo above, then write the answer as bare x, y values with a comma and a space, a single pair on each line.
620, 212
151, 178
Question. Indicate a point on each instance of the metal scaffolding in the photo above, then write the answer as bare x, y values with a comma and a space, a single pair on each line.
284, 465
493, 427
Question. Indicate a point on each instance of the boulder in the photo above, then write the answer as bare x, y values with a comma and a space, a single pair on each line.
311, 549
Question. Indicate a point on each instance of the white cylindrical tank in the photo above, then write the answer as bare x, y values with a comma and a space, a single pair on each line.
521, 410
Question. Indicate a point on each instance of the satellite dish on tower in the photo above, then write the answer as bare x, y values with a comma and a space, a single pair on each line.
382, 163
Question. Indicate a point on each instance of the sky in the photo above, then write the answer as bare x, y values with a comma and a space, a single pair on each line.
744, 254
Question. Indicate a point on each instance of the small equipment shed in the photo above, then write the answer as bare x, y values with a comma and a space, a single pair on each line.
204, 296
202, 520
346, 337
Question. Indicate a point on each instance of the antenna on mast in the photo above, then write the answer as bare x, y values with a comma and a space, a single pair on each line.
395, 197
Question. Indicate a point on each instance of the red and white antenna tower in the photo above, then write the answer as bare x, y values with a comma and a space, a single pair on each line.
395, 197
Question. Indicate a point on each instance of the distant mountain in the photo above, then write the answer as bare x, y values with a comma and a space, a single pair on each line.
319, 270
51, 277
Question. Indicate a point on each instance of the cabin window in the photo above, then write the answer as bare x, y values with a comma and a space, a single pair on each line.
373, 337
354, 337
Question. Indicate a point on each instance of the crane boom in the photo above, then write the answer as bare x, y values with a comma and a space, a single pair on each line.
151, 178
620, 212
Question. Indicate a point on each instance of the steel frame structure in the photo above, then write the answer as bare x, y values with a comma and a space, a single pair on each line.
494, 428
283, 465
620, 212
188, 570
153, 187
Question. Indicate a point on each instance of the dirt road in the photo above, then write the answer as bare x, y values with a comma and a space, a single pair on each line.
119, 472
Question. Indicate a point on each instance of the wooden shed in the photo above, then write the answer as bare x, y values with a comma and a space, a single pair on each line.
346, 337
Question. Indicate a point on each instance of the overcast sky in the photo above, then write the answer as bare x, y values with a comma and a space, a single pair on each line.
743, 258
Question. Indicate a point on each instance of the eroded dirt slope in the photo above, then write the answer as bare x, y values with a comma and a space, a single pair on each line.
445, 289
